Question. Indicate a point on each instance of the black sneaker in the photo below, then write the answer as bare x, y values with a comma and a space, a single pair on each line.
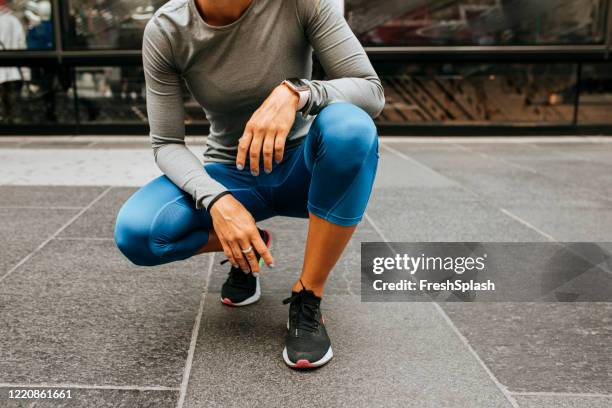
242, 288
307, 344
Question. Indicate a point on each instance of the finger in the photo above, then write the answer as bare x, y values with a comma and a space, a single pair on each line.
252, 260
249, 256
237, 251
228, 252
261, 248
243, 148
279, 146
255, 152
268, 152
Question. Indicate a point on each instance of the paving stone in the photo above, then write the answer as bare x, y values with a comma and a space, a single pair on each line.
588, 177
400, 354
443, 220
99, 220
145, 143
409, 146
83, 167
507, 185
396, 172
570, 224
9, 144
47, 196
563, 401
600, 152
22, 230
55, 144
78, 312
504, 149
550, 347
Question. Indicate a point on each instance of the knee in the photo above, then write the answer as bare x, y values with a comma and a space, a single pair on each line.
132, 238
348, 135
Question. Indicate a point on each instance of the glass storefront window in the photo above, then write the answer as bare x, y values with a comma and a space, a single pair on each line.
442, 94
477, 22
26, 25
478, 93
595, 94
110, 94
108, 24
42, 95
117, 95
435, 93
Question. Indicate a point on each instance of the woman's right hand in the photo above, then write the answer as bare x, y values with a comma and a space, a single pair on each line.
236, 230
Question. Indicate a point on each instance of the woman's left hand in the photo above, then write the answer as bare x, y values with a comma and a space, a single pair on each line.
265, 133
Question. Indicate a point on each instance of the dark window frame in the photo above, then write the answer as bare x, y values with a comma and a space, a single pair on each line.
575, 54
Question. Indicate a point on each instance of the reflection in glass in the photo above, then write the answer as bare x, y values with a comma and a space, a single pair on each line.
595, 94
117, 95
108, 24
25, 25
45, 98
478, 94
29, 95
477, 22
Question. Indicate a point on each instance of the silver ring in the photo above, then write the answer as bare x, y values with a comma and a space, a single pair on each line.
246, 251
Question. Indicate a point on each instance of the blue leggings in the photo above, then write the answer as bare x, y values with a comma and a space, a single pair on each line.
330, 174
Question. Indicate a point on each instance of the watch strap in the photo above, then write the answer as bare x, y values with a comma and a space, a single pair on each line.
301, 89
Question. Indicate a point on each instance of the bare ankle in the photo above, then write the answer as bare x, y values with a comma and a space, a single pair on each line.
317, 289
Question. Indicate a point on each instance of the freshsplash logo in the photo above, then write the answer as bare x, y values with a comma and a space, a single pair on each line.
414, 264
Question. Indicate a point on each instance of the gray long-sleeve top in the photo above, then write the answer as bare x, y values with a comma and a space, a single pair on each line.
231, 69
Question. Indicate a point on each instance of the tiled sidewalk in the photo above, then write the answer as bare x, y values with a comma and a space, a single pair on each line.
75, 314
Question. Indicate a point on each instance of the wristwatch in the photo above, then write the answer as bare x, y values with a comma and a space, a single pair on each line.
301, 89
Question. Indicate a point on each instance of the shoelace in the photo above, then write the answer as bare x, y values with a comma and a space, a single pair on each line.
305, 317
236, 275
233, 270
